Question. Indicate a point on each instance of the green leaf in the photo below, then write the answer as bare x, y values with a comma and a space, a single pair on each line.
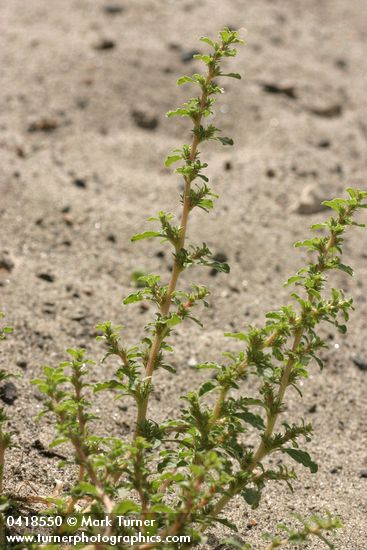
171, 159
225, 34
207, 41
207, 387
178, 112
225, 140
237, 335
145, 235
87, 488
218, 266
110, 385
184, 79
335, 204
162, 509
310, 243
208, 366
252, 497
174, 320
294, 279
207, 59
232, 75
254, 419
302, 457
345, 268
229, 524
126, 507
168, 368
135, 297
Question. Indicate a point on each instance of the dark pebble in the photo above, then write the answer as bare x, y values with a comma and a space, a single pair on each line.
66, 209
46, 277
324, 144
160, 254
144, 120
273, 88
43, 125
312, 409
105, 44
363, 474
360, 362
341, 63
227, 166
174, 46
113, 9
188, 55
8, 393
234, 289
79, 182
78, 316
111, 238
6, 263
82, 102
22, 364
332, 111
270, 173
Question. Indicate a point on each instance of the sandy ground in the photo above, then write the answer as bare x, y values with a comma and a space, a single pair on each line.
82, 138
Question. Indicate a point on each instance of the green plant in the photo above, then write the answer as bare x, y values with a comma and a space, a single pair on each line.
181, 474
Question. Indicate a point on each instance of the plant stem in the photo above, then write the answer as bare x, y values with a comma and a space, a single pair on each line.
218, 406
177, 268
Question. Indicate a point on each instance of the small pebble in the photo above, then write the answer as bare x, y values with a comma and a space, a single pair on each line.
329, 111
324, 144
8, 393
113, 9
46, 277
312, 197
79, 182
6, 262
360, 362
105, 44
144, 120
281, 89
43, 124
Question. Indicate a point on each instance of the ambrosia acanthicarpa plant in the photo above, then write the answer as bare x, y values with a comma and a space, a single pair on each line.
183, 473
